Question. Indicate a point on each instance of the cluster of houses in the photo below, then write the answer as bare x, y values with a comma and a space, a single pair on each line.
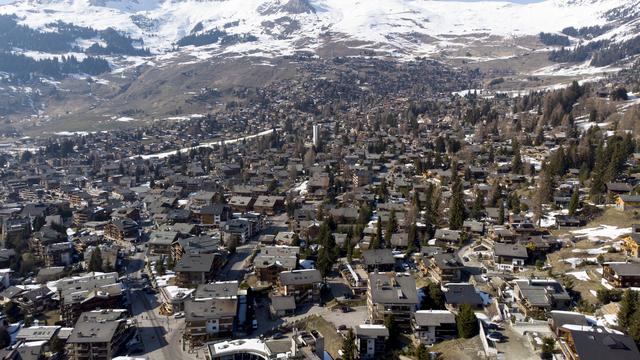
384, 178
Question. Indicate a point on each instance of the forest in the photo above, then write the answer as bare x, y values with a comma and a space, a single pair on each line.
23, 66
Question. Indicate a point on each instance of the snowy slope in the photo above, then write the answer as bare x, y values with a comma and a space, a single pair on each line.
399, 26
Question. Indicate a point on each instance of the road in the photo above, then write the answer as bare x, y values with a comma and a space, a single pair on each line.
235, 268
160, 335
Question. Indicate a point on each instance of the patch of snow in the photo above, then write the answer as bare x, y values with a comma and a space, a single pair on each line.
580, 275
601, 232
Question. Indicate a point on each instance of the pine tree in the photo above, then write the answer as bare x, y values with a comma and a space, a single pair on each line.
392, 326
95, 261
628, 307
412, 239
574, 203
456, 205
391, 228
478, 206
467, 322
349, 346
597, 179
5, 338
544, 191
422, 353
517, 167
376, 243
634, 326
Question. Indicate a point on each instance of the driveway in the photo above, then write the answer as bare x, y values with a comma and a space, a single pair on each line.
516, 347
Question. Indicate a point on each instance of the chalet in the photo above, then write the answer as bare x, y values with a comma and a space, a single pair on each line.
236, 232
241, 203
400, 240
35, 301
474, 227
193, 269
621, 275
631, 242
445, 268
558, 319
628, 202
502, 234
208, 319
88, 292
431, 326
272, 260
568, 222
378, 259
345, 215
582, 344
371, 340
536, 296
392, 295
448, 237
282, 306
618, 188
213, 215
197, 245
285, 238
123, 230
98, 335
457, 294
160, 242
269, 205
303, 285
511, 257
202, 199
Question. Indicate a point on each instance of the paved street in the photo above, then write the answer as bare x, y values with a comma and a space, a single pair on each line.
159, 334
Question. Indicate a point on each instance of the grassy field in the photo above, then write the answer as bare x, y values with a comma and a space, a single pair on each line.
560, 266
332, 340
460, 349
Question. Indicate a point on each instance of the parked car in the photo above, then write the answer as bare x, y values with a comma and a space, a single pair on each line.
495, 337
277, 336
254, 324
179, 315
346, 309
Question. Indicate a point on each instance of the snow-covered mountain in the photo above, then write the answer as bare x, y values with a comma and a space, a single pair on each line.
402, 27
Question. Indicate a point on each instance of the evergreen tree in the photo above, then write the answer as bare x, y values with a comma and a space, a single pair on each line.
544, 190
548, 345
456, 205
628, 306
5, 338
501, 213
95, 261
56, 345
392, 326
634, 326
376, 243
422, 353
467, 322
478, 206
433, 299
160, 267
391, 228
349, 346
412, 239
574, 203
597, 179
517, 166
